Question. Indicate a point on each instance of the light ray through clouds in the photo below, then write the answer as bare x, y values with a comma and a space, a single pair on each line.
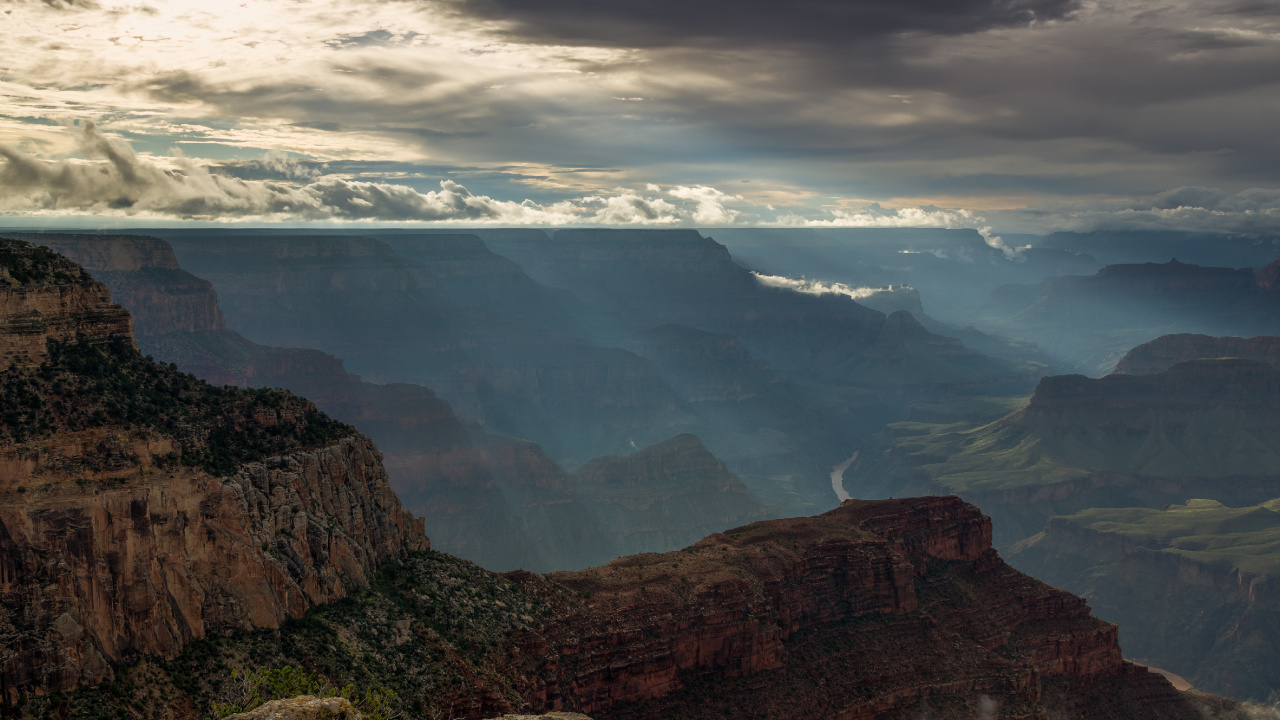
707, 113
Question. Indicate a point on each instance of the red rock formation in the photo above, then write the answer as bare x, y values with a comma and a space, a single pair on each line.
111, 549
1169, 350
160, 295
40, 307
867, 611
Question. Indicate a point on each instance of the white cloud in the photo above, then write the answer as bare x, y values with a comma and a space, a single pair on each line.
629, 208
112, 180
1196, 209
711, 209
874, 216
817, 287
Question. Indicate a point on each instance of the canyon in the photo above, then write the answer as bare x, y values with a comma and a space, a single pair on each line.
877, 609
1201, 428
497, 500
152, 540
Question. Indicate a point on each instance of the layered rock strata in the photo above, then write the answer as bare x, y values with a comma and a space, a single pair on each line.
872, 610
118, 537
45, 297
1204, 428
1201, 600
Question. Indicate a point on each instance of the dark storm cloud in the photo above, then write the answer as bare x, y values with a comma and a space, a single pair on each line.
656, 23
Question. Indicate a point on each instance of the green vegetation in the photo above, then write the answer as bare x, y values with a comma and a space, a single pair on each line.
23, 265
84, 385
1202, 530
428, 632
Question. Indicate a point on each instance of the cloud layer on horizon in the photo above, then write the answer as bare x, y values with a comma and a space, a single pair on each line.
1029, 115
113, 181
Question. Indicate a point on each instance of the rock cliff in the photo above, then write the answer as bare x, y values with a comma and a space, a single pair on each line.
145, 278
1168, 350
890, 609
1194, 587
44, 297
1204, 428
144, 509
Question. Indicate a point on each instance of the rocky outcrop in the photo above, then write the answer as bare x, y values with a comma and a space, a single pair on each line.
144, 277
896, 605
665, 496
107, 567
44, 297
152, 518
875, 610
1168, 350
303, 707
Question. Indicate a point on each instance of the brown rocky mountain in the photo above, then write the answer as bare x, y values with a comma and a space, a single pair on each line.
877, 610
144, 509
1168, 350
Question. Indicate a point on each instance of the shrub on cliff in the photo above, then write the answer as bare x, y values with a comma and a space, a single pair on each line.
25, 265
85, 385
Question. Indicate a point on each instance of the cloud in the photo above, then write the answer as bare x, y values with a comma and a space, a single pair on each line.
711, 209
817, 287
672, 22
875, 216
1255, 211
113, 180
629, 208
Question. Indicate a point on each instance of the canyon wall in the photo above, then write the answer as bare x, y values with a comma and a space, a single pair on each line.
45, 297
1210, 622
1168, 350
872, 610
117, 540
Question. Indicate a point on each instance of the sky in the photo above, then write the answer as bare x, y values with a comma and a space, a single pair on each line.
1003, 115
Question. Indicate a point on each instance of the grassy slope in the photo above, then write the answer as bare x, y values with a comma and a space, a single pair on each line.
1203, 530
